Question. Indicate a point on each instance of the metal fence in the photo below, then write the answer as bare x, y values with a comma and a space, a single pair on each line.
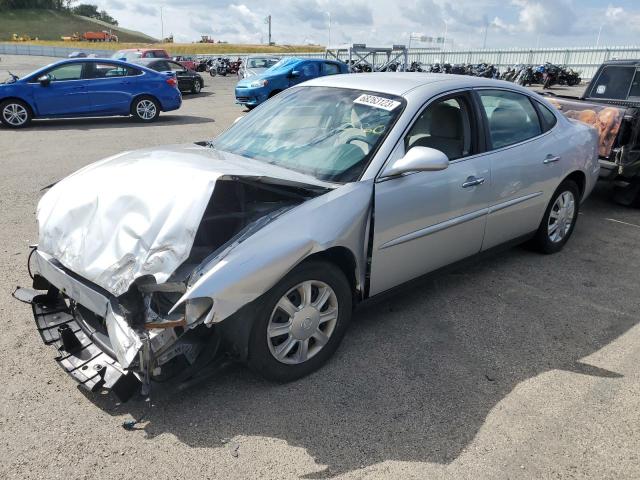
585, 59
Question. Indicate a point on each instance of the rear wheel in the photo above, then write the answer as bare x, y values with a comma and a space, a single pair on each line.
300, 322
145, 109
15, 114
559, 219
197, 86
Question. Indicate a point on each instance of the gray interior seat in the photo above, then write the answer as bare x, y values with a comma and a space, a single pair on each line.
446, 131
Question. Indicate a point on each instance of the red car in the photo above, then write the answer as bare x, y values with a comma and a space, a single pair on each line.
130, 54
187, 62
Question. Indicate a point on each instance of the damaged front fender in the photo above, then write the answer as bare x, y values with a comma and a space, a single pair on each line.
248, 269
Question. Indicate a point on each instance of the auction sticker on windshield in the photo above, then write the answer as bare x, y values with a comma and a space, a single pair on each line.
378, 102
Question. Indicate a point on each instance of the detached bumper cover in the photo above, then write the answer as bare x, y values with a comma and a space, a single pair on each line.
87, 363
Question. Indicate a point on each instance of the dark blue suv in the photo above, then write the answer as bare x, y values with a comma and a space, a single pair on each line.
252, 91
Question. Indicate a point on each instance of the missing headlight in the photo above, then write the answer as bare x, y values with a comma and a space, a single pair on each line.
197, 308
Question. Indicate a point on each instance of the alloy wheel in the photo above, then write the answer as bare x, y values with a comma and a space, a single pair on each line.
146, 109
302, 322
15, 114
561, 216
197, 86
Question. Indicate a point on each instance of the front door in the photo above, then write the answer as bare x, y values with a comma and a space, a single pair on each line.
66, 94
426, 220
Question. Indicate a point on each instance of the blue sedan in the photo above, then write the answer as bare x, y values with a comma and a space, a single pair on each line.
88, 87
252, 91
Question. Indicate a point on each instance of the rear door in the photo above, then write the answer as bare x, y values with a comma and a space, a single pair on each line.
110, 87
526, 164
66, 94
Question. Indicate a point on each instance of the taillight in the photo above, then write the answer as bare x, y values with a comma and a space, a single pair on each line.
172, 81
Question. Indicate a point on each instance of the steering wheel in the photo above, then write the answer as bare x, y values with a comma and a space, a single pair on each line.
362, 138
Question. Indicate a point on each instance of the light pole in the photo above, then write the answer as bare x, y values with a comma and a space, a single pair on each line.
444, 37
329, 41
599, 33
161, 26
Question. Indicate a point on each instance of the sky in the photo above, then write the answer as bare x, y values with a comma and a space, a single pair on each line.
464, 23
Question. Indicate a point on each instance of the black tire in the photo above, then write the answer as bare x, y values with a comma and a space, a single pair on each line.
541, 242
260, 358
197, 86
137, 109
15, 107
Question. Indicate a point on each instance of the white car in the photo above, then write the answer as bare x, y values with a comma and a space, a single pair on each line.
260, 243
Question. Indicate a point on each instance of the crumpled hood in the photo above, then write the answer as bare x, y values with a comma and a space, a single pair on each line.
137, 213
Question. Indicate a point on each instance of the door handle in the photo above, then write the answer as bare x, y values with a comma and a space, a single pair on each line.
473, 181
551, 159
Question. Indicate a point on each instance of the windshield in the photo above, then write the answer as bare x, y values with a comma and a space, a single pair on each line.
261, 62
282, 63
329, 133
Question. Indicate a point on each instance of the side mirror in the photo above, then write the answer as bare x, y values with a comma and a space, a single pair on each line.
294, 74
44, 80
418, 159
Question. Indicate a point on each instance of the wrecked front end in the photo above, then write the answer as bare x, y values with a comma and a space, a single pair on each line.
147, 320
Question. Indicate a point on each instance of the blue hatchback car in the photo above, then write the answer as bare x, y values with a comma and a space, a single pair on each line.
88, 87
252, 91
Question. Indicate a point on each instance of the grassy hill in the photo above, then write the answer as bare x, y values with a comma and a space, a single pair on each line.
186, 48
51, 25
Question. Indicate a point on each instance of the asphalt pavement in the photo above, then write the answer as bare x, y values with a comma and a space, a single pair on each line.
518, 366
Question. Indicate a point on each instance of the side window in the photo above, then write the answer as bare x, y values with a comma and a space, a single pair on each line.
161, 66
71, 71
547, 118
133, 72
512, 118
613, 83
331, 69
176, 67
445, 126
635, 86
310, 70
108, 70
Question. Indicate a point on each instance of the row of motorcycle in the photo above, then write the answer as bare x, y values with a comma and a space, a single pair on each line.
547, 74
222, 66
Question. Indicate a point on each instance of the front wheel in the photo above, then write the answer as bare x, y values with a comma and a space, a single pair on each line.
300, 322
559, 219
145, 109
15, 114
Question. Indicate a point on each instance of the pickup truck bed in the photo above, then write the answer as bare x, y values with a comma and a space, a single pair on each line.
611, 104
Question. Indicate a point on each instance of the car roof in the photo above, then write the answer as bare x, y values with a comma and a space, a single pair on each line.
400, 83
141, 50
630, 62
89, 60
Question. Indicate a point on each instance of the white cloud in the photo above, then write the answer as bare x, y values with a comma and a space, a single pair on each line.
510, 23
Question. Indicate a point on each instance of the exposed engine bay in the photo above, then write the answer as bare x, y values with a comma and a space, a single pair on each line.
147, 329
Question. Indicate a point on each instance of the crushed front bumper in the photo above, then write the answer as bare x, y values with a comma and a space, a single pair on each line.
88, 364
84, 352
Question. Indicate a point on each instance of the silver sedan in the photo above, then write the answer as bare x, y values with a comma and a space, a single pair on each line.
259, 244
